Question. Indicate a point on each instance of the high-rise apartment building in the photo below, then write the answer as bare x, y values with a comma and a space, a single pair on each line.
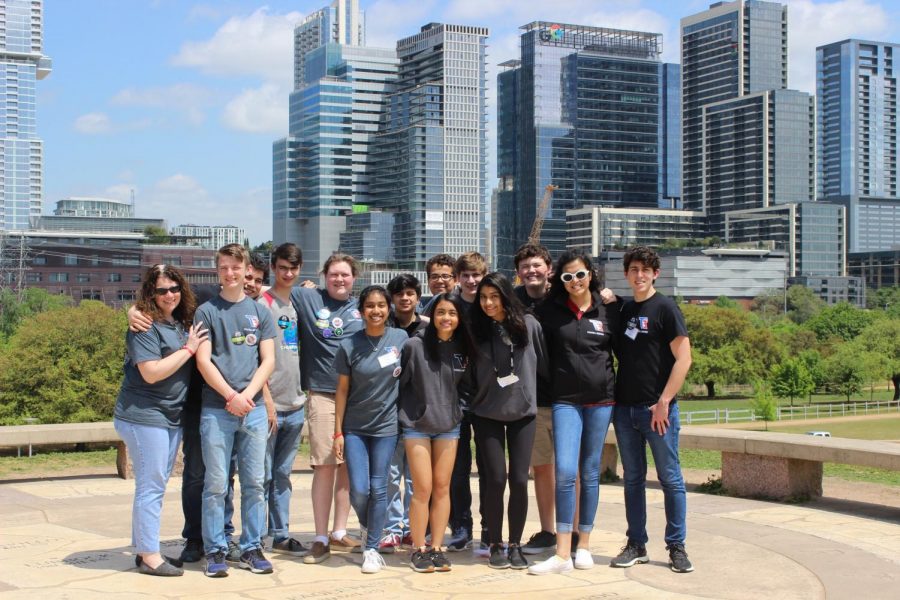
857, 138
340, 23
22, 63
430, 153
731, 50
581, 109
670, 135
212, 237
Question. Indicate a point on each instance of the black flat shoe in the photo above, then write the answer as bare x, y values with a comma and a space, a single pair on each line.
175, 562
163, 570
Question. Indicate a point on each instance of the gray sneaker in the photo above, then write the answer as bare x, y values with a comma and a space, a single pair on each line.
630, 555
678, 559
234, 552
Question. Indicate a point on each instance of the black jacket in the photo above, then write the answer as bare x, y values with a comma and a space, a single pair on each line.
580, 350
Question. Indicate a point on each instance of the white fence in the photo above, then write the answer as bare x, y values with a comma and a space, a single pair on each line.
790, 413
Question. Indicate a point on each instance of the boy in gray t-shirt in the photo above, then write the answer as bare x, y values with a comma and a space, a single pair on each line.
235, 362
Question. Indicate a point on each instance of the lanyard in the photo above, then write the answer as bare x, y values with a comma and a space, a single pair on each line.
512, 364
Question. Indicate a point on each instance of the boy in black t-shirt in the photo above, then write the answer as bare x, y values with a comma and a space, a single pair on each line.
654, 355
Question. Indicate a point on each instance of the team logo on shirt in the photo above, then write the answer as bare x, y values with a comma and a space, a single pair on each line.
460, 362
598, 325
254, 321
356, 314
393, 350
644, 323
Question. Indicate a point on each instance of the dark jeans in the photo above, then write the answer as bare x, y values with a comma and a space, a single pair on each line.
492, 438
460, 486
192, 480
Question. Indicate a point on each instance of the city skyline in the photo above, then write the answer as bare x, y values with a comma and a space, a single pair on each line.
185, 109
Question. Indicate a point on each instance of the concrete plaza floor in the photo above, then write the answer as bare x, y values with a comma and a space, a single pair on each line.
69, 538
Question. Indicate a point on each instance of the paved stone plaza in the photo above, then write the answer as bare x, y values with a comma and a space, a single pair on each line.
68, 538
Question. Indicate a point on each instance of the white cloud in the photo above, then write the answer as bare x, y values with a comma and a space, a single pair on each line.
185, 98
93, 124
812, 24
120, 191
390, 20
259, 110
260, 44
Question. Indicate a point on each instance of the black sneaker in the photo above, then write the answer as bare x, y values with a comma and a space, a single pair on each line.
630, 555
234, 552
421, 562
461, 540
254, 561
192, 551
289, 546
542, 541
440, 561
498, 559
678, 559
516, 557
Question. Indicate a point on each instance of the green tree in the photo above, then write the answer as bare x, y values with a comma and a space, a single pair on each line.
815, 365
802, 303
882, 338
156, 235
844, 371
63, 365
763, 404
769, 306
265, 249
791, 379
34, 301
886, 299
726, 302
841, 320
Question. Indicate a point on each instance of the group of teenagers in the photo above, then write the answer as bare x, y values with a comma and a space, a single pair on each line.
392, 387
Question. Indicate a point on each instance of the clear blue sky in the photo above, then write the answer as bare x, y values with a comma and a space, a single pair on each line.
181, 101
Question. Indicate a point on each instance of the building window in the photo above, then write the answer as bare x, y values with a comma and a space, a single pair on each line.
33, 277
70, 260
83, 277
114, 277
203, 263
91, 295
40, 260
125, 296
136, 278
59, 277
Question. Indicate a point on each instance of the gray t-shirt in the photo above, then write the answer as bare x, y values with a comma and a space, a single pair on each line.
284, 384
373, 365
323, 323
235, 331
158, 404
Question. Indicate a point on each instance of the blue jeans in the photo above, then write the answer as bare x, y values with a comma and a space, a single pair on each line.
153, 450
368, 460
632, 424
578, 446
192, 477
220, 431
397, 520
281, 451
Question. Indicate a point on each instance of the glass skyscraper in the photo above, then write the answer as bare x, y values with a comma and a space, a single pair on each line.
857, 138
22, 63
341, 22
581, 110
431, 148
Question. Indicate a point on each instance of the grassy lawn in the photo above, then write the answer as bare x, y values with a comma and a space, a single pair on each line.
57, 463
737, 401
885, 428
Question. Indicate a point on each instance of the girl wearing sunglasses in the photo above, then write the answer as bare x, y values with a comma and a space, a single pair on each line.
147, 415
577, 328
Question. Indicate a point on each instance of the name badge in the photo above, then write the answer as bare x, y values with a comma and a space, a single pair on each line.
507, 380
631, 333
387, 359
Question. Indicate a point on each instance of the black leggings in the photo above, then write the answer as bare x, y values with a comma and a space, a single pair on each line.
491, 440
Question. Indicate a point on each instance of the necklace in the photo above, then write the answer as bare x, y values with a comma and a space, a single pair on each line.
375, 347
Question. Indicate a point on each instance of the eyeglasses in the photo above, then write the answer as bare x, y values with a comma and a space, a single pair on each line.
440, 276
175, 289
579, 275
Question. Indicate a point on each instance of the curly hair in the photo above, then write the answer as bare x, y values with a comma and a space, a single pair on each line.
146, 302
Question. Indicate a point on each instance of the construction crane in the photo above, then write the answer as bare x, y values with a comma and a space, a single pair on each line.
535, 236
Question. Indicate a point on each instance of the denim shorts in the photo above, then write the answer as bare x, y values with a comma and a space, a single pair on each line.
412, 434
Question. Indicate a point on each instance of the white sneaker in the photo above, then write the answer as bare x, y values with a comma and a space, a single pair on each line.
554, 564
583, 559
372, 561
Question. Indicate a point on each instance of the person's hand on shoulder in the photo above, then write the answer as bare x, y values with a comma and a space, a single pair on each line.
138, 322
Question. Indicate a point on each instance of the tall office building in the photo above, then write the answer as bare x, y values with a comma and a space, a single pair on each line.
857, 139
670, 135
431, 149
580, 109
22, 63
341, 23
729, 51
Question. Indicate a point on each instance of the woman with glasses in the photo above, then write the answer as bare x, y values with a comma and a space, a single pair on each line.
510, 357
147, 415
577, 328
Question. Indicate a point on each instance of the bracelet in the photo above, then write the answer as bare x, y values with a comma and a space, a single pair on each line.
337, 435
191, 352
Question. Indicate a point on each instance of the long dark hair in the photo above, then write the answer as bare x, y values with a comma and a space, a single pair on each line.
558, 288
462, 334
368, 291
146, 302
482, 324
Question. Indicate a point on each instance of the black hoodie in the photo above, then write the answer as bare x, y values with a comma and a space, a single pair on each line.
580, 350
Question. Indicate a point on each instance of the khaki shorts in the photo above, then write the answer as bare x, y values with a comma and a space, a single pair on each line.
542, 451
320, 420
